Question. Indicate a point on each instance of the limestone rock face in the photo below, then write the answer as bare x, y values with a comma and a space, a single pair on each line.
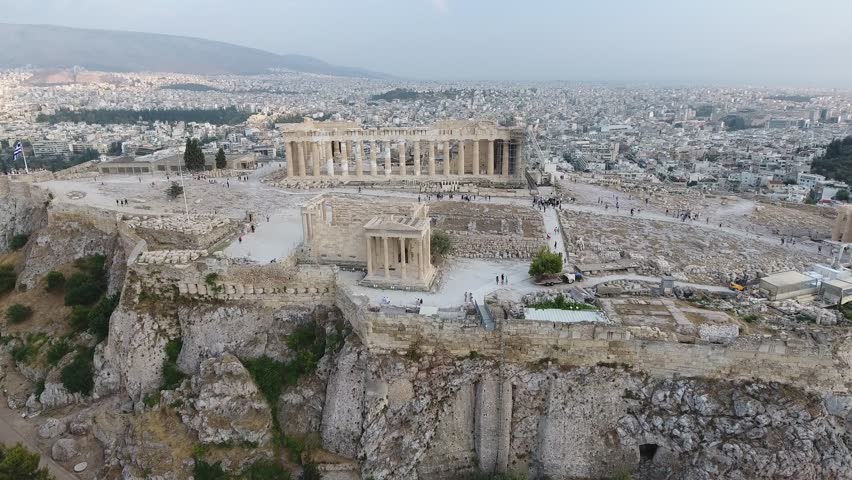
22, 210
245, 332
716, 430
135, 351
344, 402
64, 449
51, 428
225, 405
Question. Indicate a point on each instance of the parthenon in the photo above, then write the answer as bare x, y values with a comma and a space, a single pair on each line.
456, 148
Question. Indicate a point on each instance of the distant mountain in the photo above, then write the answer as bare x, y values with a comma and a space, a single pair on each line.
49, 46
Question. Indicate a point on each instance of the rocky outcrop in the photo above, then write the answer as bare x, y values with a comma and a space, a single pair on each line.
344, 402
701, 430
225, 406
135, 351
244, 330
23, 210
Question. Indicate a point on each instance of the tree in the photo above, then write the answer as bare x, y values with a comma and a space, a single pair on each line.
193, 157
842, 195
221, 162
18, 313
439, 243
18, 463
114, 149
174, 191
545, 263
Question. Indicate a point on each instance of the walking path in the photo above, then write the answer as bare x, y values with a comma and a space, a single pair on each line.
14, 429
592, 281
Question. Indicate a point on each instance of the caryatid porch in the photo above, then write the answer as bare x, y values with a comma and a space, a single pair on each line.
399, 252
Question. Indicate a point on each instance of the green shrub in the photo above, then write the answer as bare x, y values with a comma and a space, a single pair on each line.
172, 376
28, 349
206, 471
7, 278
18, 313
18, 241
86, 285
751, 318
79, 318
311, 472
18, 463
58, 351
545, 263
439, 243
55, 280
268, 375
98, 317
265, 470
81, 289
152, 399
561, 303
78, 376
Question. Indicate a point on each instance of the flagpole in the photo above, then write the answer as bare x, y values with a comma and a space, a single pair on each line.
183, 189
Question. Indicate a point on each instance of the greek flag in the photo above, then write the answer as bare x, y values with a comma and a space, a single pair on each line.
19, 150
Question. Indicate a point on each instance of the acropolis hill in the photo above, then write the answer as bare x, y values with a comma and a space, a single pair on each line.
392, 360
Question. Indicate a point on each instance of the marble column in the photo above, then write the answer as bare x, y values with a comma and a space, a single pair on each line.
475, 160
417, 157
288, 152
461, 157
369, 255
374, 166
300, 152
329, 162
447, 169
402, 259
431, 158
359, 160
315, 146
489, 168
344, 158
387, 159
402, 157
387, 265
505, 163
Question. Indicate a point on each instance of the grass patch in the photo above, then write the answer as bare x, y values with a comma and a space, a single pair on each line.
265, 470
28, 349
78, 376
560, 303
208, 471
18, 313
8, 277
58, 351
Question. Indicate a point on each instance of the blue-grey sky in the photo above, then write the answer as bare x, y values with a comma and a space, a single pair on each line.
722, 42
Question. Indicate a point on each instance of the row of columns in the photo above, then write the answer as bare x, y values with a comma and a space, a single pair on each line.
324, 155
407, 251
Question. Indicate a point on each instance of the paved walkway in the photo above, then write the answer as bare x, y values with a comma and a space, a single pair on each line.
592, 281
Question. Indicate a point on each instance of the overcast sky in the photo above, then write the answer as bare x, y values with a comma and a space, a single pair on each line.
723, 42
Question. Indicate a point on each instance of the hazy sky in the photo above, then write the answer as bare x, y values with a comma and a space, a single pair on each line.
729, 42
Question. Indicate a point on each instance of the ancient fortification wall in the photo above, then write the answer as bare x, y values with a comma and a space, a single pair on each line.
194, 274
526, 341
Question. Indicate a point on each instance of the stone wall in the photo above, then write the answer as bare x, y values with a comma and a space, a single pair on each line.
177, 231
579, 345
194, 274
480, 229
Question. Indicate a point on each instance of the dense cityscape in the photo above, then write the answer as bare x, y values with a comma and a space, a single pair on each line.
224, 262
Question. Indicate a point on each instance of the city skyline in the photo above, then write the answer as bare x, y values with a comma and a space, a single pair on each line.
775, 44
